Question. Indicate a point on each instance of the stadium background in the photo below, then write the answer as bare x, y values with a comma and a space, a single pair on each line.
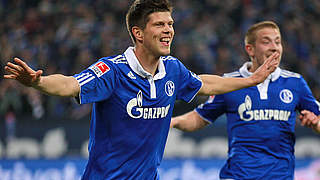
45, 137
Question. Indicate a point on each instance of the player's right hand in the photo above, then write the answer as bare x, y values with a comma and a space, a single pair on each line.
22, 73
269, 66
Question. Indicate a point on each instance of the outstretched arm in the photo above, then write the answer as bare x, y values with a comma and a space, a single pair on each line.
190, 121
213, 84
56, 84
309, 119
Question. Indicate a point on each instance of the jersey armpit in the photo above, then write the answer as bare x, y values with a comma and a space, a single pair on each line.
212, 108
97, 82
215, 105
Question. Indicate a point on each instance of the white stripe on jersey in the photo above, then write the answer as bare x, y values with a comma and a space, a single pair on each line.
84, 78
318, 103
232, 74
287, 74
118, 59
84, 82
84, 74
115, 58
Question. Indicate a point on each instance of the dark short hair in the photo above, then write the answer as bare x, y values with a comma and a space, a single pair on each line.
139, 11
251, 35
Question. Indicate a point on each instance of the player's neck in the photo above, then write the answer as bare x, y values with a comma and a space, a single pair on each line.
148, 61
253, 67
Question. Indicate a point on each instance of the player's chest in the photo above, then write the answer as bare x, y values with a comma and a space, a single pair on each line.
146, 98
147, 91
275, 97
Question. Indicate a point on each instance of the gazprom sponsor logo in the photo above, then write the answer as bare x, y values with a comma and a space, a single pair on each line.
136, 110
247, 114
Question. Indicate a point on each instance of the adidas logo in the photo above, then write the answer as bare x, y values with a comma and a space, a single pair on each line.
130, 74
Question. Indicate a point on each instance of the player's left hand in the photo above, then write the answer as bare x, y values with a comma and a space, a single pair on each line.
309, 119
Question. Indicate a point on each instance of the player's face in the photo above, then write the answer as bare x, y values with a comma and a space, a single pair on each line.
268, 41
158, 33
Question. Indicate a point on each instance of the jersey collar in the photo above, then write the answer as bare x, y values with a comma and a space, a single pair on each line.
245, 73
137, 68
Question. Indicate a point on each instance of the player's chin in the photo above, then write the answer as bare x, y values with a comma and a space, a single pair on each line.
165, 51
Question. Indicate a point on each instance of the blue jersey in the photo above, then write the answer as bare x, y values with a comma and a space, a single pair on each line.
131, 113
261, 124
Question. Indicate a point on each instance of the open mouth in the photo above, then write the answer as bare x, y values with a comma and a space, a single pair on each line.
165, 41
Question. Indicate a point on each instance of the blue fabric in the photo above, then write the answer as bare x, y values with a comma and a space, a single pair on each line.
129, 128
261, 131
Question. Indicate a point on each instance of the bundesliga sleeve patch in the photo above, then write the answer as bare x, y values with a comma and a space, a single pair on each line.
100, 68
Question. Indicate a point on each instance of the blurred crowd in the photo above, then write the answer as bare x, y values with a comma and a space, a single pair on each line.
66, 36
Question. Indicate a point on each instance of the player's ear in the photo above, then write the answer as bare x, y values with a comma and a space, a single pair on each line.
249, 49
137, 33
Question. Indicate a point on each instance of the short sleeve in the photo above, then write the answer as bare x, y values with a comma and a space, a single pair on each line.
307, 100
97, 82
212, 108
189, 84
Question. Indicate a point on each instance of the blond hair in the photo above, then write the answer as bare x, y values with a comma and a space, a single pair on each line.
251, 37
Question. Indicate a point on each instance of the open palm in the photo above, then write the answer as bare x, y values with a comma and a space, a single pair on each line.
266, 68
22, 73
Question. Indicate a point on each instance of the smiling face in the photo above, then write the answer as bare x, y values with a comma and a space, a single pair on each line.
267, 41
156, 37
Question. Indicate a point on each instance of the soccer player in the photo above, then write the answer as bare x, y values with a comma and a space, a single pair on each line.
260, 119
133, 94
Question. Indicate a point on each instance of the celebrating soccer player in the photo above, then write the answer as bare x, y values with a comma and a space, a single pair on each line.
260, 119
133, 94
